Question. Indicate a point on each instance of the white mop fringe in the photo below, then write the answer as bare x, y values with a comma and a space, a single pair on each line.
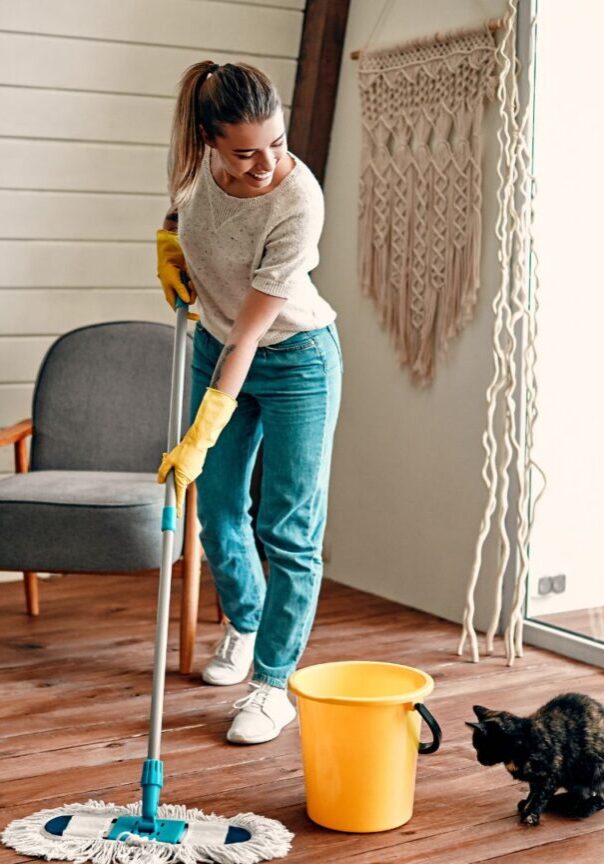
270, 839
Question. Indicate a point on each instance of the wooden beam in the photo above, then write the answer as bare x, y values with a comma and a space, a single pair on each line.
317, 77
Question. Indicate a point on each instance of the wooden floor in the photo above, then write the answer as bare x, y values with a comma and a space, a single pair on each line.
74, 702
586, 622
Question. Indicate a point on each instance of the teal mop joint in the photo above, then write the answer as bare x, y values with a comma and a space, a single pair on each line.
148, 825
148, 832
168, 519
152, 782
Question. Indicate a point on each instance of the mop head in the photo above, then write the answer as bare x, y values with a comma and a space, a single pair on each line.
79, 833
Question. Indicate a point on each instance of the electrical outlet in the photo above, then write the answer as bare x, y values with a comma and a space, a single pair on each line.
552, 584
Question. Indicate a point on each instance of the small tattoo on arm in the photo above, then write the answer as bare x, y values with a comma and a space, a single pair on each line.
228, 349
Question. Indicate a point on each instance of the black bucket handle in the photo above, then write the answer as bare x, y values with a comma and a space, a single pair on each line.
437, 735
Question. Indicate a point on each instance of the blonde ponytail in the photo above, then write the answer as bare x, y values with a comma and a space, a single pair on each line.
186, 141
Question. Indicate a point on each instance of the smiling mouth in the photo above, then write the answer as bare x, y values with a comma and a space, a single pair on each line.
260, 176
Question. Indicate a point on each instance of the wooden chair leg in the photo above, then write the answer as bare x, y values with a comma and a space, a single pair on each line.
191, 575
32, 599
30, 580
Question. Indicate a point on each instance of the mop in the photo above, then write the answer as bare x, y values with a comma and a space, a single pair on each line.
148, 832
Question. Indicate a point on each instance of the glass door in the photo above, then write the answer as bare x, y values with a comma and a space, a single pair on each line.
565, 598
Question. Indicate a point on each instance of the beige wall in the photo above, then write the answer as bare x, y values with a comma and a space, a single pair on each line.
86, 96
407, 494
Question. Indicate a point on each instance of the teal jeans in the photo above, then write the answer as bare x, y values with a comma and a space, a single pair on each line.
290, 401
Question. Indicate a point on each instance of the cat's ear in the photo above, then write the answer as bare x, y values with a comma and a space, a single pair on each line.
481, 713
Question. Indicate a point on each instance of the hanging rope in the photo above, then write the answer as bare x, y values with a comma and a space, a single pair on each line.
514, 318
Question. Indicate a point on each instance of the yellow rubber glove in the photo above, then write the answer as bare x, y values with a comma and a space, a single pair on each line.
170, 265
187, 458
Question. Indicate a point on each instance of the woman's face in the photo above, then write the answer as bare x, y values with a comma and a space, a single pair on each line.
250, 152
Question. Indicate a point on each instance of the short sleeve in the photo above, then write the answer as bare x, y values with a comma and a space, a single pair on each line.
291, 251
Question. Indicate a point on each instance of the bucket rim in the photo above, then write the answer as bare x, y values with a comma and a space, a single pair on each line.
409, 696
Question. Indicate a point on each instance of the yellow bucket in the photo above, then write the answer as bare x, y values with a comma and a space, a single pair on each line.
360, 729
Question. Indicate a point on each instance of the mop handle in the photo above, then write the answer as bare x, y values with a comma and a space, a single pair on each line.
168, 532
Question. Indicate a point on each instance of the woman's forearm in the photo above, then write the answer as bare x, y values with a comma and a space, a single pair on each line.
233, 365
257, 313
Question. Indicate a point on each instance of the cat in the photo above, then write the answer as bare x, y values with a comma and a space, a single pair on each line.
561, 745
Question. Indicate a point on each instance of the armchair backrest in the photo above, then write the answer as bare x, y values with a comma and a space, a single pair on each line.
102, 398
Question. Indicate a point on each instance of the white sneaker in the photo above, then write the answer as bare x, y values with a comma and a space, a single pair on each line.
232, 659
261, 715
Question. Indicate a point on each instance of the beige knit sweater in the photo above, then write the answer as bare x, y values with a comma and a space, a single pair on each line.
268, 242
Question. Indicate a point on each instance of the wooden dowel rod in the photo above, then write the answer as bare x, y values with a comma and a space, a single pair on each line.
493, 25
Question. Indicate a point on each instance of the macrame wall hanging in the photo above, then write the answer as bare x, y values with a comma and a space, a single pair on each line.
420, 244
420, 188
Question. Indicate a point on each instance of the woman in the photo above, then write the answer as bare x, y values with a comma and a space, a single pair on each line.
242, 234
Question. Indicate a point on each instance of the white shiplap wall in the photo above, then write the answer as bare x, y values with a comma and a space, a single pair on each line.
86, 98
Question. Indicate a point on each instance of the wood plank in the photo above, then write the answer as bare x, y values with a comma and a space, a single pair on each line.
587, 622
580, 849
49, 62
272, 770
15, 405
69, 115
21, 356
73, 116
478, 842
62, 265
204, 23
282, 801
284, 4
72, 216
69, 165
56, 311
6, 463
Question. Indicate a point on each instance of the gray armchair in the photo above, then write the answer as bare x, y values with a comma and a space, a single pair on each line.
90, 502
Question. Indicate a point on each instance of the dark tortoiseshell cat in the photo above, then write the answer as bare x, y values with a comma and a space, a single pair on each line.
560, 746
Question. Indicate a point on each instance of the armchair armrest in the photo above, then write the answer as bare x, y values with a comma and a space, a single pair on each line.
16, 432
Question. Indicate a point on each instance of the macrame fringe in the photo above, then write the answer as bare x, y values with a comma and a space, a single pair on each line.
269, 840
